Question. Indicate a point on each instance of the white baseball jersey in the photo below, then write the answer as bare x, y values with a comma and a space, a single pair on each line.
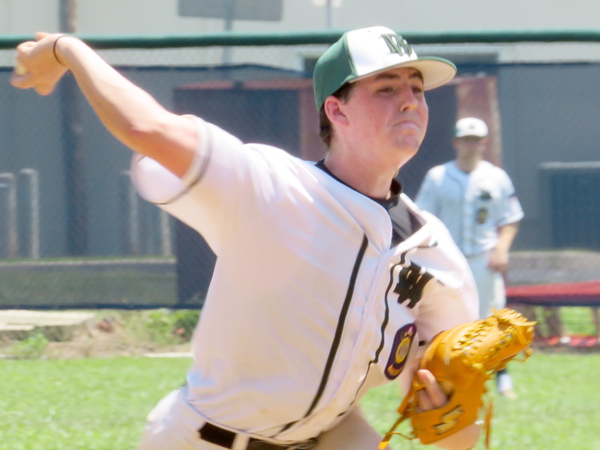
310, 304
472, 205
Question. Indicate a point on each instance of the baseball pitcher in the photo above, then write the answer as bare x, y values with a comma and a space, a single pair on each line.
329, 281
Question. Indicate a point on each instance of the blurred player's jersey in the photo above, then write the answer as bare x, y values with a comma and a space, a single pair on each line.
472, 205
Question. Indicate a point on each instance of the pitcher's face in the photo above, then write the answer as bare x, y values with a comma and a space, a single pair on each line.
388, 113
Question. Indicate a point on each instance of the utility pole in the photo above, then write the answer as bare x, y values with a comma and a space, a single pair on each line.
329, 5
229, 16
329, 14
74, 167
67, 16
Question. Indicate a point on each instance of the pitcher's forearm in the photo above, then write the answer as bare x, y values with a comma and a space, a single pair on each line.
506, 236
128, 112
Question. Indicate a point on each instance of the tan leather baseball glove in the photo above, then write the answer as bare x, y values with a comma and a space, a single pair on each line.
462, 359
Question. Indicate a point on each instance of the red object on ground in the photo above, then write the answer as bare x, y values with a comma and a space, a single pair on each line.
586, 293
581, 342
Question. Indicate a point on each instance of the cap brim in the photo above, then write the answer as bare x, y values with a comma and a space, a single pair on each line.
435, 71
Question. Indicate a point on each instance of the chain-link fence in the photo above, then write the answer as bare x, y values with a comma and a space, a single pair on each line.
74, 234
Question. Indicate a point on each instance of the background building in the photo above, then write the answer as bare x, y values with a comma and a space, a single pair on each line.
161, 16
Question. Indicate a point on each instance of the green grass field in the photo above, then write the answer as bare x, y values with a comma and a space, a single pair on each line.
101, 404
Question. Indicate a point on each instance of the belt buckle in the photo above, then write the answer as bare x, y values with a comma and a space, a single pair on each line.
256, 444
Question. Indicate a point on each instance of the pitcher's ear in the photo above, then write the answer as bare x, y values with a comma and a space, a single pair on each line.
334, 108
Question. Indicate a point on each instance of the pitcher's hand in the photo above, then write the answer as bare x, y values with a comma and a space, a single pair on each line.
433, 395
37, 65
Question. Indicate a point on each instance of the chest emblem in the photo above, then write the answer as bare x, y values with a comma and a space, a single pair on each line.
400, 349
411, 282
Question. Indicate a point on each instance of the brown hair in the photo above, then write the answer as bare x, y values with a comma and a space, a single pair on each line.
326, 133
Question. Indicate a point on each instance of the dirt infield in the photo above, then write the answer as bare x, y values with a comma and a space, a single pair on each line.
100, 344
93, 337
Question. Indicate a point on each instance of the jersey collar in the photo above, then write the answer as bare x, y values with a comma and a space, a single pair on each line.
387, 203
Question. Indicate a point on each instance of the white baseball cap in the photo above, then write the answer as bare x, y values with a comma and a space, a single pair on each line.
471, 126
361, 53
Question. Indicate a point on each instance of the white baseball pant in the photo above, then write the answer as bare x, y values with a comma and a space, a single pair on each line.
490, 284
173, 425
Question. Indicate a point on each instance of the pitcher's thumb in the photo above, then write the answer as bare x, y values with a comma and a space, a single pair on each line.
39, 35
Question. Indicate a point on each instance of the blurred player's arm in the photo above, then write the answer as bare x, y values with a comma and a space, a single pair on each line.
508, 226
499, 257
128, 112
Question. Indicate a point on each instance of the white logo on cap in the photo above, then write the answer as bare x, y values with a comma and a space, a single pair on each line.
396, 45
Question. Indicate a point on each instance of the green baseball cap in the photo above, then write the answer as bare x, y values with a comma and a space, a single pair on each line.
361, 53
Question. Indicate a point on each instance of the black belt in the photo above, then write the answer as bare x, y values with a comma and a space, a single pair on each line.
224, 438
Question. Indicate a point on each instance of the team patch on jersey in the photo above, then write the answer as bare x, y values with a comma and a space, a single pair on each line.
411, 282
400, 348
482, 214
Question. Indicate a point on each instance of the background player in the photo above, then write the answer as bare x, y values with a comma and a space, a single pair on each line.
328, 280
477, 202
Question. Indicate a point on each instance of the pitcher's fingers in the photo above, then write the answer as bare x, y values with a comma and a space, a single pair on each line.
19, 68
21, 53
432, 387
24, 46
39, 35
45, 89
24, 81
424, 402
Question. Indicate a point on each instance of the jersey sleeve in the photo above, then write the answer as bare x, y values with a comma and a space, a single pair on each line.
511, 211
223, 185
426, 198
